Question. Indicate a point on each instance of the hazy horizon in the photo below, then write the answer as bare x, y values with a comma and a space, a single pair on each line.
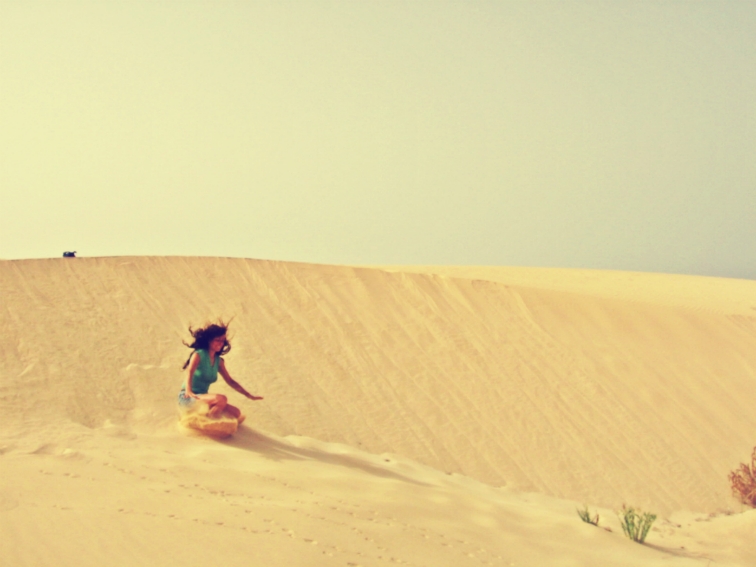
576, 134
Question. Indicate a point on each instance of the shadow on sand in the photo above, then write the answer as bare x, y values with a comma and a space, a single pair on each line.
250, 440
679, 552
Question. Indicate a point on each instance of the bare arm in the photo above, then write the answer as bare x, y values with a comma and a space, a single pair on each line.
192, 367
233, 383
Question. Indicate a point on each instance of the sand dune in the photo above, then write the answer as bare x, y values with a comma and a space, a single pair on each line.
722, 295
436, 416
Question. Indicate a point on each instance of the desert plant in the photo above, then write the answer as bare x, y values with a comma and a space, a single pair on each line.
585, 515
743, 481
635, 523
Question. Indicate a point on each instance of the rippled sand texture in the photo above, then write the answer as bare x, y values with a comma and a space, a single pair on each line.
430, 416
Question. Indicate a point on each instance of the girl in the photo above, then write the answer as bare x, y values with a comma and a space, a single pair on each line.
204, 364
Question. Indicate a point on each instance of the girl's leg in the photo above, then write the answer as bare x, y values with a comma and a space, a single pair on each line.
217, 403
235, 412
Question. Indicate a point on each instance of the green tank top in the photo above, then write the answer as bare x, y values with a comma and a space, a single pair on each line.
206, 373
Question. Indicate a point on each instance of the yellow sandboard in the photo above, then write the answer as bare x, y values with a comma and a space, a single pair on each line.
196, 418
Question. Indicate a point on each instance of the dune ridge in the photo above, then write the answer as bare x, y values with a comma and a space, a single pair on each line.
722, 295
601, 393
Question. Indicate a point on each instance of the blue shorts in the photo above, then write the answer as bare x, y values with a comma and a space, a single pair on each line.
185, 401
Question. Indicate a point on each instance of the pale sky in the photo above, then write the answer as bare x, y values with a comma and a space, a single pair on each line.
611, 135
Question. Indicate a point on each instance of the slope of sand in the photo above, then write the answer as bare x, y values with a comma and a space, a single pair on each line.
427, 416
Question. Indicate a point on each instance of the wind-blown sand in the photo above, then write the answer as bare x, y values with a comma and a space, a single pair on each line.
415, 415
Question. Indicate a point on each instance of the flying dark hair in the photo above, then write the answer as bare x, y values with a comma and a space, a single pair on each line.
203, 336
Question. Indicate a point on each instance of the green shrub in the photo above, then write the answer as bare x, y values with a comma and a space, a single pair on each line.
635, 523
585, 515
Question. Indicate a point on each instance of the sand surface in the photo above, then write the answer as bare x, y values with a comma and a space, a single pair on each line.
425, 416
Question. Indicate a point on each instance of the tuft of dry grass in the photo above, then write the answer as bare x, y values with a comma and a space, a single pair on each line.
743, 481
585, 515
